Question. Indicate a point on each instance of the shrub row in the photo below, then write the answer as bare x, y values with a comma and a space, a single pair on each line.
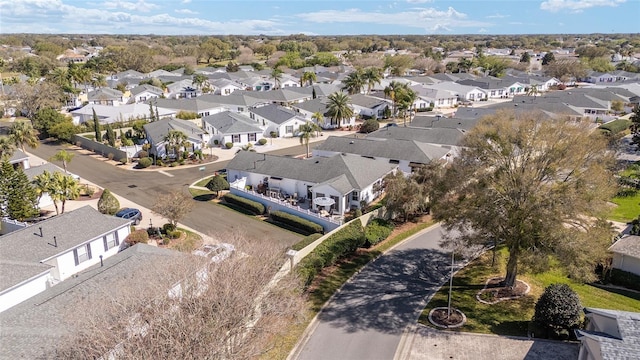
305, 226
616, 126
625, 278
340, 244
377, 230
250, 205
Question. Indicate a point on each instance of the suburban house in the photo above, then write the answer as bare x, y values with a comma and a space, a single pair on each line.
127, 74
200, 105
449, 137
369, 106
33, 171
609, 335
113, 114
106, 96
35, 327
460, 91
626, 254
19, 159
224, 86
439, 98
145, 92
406, 154
157, 130
308, 108
497, 87
40, 256
230, 127
347, 180
275, 118
183, 89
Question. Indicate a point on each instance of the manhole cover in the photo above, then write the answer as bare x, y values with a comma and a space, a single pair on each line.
133, 186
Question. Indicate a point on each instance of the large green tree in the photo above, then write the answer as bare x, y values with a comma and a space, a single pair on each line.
7, 147
339, 108
372, 76
635, 126
18, 199
174, 140
535, 185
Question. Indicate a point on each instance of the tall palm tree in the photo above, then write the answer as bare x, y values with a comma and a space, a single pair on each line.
22, 133
533, 91
372, 76
68, 188
97, 81
354, 82
63, 156
7, 147
339, 109
199, 80
405, 97
45, 184
391, 91
276, 74
174, 140
307, 131
308, 77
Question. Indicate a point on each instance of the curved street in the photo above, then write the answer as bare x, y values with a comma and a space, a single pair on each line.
367, 317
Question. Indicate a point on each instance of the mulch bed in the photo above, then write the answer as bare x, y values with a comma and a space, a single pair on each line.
494, 291
439, 317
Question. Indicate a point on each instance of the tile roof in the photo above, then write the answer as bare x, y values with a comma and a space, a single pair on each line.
33, 328
26, 246
360, 172
228, 122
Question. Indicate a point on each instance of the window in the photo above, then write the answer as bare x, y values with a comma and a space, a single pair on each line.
110, 241
143, 98
354, 196
493, 93
82, 254
240, 109
227, 91
471, 96
252, 137
288, 129
394, 161
235, 138
252, 116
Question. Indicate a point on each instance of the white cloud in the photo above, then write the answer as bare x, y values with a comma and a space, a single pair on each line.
482, 31
186, 11
141, 5
497, 16
429, 19
577, 5
185, 1
419, 1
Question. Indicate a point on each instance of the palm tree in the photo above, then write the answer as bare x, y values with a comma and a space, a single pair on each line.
199, 80
307, 131
174, 140
45, 184
319, 118
7, 147
372, 76
339, 109
22, 133
97, 81
276, 74
392, 91
68, 188
533, 91
405, 97
63, 156
308, 77
354, 82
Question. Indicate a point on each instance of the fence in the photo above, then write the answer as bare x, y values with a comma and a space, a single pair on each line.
10, 225
98, 148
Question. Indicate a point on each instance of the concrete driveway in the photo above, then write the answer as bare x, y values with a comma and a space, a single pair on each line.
367, 317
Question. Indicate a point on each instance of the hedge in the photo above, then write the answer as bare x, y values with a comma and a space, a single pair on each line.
616, 126
625, 278
145, 162
253, 206
305, 226
377, 230
340, 244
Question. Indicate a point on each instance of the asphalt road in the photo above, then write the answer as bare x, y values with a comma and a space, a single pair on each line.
142, 187
367, 317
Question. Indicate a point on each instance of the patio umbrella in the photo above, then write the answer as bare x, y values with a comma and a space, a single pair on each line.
324, 201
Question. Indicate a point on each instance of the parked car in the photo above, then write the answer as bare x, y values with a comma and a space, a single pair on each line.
130, 214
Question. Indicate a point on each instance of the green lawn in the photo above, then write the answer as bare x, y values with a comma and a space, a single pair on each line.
628, 208
204, 181
512, 317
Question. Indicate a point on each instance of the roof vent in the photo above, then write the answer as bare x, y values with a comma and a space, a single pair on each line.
351, 142
317, 161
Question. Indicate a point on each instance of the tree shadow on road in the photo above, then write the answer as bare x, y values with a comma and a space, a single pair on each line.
390, 293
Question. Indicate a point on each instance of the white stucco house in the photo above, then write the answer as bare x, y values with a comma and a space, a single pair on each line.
40, 256
157, 130
626, 254
231, 127
283, 121
460, 91
145, 92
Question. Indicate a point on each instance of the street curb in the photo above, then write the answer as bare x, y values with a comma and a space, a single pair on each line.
295, 352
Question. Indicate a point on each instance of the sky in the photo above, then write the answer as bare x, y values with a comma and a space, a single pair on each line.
311, 17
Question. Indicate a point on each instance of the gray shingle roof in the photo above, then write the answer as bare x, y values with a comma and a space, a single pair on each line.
33, 328
367, 101
412, 151
628, 245
17, 156
34, 171
146, 87
105, 94
622, 346
156, 130
314, 106
442, 136
71, 229
275, 113
360, 172
228, 122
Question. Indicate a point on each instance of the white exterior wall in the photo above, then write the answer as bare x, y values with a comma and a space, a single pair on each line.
328, 191
626, 263
475, 95
64, 265
23, 291
144, 96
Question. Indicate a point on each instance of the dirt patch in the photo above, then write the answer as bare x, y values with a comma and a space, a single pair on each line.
494, 291
442, 318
